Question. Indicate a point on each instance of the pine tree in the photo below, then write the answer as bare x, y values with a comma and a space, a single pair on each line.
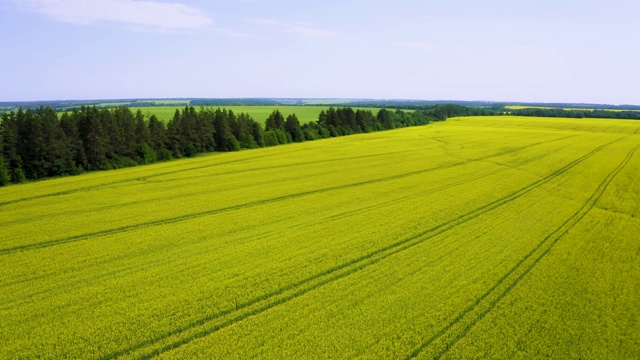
93, 137
275, 121
174, 135
5, 178
10, 139
224, 139
142, 129
157, 136
292, 127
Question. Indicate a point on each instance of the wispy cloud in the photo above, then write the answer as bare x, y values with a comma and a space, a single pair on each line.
136, 15
303, 29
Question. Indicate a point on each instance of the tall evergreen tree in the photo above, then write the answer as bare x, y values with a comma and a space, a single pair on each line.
292, 127
275, 121
69, 125
242, 129
142, 129
57, 155
224, 139
204, 132
157, 134
364, 120
5, 177
93, 138
175, 139
257, 133
384, 119
10, 140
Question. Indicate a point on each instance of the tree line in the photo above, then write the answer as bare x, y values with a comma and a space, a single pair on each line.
41, 143
576, 114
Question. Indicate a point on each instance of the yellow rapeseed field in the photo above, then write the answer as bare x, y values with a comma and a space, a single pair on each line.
482, 237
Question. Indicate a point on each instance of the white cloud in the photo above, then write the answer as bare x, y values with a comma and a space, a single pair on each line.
140, 15
302, 29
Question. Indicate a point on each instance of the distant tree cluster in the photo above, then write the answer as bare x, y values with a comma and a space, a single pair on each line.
577, 114
36, 144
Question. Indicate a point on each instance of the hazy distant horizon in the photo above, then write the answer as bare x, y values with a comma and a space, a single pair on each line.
330, 100
541, 52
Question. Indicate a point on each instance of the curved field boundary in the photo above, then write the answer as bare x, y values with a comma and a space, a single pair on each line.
455, 330
196, 215
505, 167
211, 324
81, 237
159, 174
199, 167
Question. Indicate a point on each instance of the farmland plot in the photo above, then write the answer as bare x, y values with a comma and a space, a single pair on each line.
479, 237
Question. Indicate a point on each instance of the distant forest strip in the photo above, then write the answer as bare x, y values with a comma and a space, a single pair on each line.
562, 113
42, 143
63, 105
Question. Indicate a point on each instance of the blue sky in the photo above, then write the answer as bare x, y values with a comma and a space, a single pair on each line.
542, 51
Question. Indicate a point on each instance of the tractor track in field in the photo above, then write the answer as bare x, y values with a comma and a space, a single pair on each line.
196, 215
117, 230
476, 311
155, 175
383, 204
213, 323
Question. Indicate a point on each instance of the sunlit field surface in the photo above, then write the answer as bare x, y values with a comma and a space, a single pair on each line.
480, 237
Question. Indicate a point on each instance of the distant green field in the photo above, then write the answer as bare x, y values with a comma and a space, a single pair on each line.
177, 101
475, 238
132, 103
121, 103
520, 107
259, 113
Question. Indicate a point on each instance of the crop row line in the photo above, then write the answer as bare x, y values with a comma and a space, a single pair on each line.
186, 217
118, 182
136, 179
191, 216
204, 326
477, 310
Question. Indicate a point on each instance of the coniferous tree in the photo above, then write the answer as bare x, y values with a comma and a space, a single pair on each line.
257, 133
275, 121
57, 155
323, 119
242, 129
36, 144
225, 141
142, 129
10, 139
292, 127
347, 121
384, 119
93, 137
125, 123
69, 125
5, 177
174, 135
32, 147
188, 127
158, 138
205, 140
364, 120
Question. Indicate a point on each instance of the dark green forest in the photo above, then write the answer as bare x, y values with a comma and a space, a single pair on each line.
41, 143
577, 114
